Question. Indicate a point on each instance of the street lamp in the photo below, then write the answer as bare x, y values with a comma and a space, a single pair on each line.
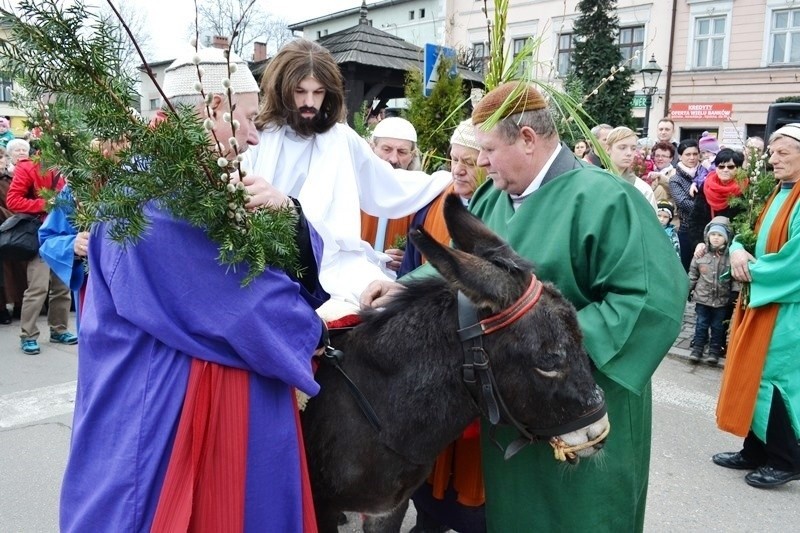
650, 75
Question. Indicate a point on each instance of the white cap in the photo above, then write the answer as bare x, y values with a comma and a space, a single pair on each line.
395, 128
464, 135
789, 130
181, 76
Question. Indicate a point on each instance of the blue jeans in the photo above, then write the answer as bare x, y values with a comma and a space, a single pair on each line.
710, 318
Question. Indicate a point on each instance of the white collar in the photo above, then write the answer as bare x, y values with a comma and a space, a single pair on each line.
517, 199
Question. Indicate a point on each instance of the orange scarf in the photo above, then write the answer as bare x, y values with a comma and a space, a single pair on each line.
751, 334
434, 222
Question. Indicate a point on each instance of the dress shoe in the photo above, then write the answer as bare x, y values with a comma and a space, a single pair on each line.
733, 460
767, 477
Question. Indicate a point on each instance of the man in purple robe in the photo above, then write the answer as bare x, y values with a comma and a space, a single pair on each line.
185, 415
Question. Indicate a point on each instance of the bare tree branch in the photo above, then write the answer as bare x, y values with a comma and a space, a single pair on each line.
219, 17
136, 23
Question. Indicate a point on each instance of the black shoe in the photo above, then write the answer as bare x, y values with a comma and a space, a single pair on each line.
696, 356
711, 359
5, 316
767, 477
733, 460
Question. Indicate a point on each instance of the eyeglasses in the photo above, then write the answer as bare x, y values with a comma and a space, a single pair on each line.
729, 167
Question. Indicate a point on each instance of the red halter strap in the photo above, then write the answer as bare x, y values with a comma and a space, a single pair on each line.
509, 315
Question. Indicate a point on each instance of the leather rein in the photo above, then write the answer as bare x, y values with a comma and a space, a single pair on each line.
480, 381
482, 385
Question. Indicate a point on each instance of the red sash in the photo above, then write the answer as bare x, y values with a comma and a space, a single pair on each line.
205, 482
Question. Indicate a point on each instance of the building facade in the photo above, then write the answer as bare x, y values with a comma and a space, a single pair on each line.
644, 32
7, 108
724, 61
416, 21
732, 59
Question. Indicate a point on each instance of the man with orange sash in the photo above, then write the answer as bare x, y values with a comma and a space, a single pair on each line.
453, 495
760, 394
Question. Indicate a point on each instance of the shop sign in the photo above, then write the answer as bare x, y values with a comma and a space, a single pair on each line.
639, 101
713, 111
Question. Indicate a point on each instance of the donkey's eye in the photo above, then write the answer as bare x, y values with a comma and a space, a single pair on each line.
548, 365
549, 373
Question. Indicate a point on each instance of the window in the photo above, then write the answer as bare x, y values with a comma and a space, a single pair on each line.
709, 41
631, 41
411, 15
422, 13
6, 92
785, 36
566, 47
518, 46
155, 104
480, 54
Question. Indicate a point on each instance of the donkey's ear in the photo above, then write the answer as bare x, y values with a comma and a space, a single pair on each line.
470, 234
487, 285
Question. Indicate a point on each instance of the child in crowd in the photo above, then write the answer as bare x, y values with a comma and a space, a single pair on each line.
709, 148
711, 292
666, 212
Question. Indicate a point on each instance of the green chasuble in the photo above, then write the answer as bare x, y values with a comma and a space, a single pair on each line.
775, 280
598, 240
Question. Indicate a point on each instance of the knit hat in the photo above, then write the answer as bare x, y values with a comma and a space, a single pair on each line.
667, 207
521, 97
707, 143
790, 130
181, 76
718, 228
395, 128
464, 135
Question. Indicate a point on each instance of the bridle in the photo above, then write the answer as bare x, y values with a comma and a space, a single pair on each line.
482, 386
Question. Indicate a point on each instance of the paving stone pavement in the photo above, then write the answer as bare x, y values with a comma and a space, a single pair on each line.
681, 347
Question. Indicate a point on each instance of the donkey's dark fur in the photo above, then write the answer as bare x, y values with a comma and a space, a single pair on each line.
407, 357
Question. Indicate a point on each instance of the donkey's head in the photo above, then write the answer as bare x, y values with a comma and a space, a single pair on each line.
528, 331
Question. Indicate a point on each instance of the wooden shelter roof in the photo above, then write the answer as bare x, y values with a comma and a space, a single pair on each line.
366, 45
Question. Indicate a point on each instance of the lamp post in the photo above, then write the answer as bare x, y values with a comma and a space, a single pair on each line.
650, 74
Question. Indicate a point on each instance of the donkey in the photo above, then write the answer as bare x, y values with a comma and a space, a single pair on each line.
407, 361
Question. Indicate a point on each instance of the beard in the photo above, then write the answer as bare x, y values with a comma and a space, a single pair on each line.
306, 126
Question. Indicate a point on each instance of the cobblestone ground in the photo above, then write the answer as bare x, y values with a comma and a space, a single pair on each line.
681, 347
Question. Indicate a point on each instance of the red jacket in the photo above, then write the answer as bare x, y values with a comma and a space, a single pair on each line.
23, 193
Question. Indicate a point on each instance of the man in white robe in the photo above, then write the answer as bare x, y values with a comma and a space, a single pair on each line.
309, 153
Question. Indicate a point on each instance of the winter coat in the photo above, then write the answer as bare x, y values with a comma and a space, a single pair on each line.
704, 273
23, 193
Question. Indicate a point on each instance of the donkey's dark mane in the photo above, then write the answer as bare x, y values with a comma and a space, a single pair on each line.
434, 292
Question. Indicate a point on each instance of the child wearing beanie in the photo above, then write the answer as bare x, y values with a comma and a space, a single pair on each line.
666, 212
709, 148
712, 288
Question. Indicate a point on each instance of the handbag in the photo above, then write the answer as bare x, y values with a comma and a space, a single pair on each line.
19, 234
19, 237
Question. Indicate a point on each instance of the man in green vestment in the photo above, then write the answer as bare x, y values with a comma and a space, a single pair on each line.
597, 239
760, 393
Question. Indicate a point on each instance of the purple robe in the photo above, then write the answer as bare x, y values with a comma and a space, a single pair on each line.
150, 308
